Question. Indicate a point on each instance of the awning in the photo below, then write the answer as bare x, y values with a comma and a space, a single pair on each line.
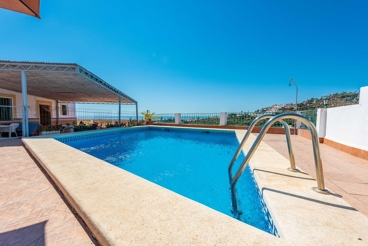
66, 82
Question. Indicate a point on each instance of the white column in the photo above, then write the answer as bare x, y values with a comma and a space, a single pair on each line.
321, 122
119, 111
223, 119
136, 112
25, 129
177, 118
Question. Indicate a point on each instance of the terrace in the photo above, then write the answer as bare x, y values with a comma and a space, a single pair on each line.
48, 203
68, 174
35, 211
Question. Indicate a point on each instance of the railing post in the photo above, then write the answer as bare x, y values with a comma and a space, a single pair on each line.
177, 118
223, 119
57, 111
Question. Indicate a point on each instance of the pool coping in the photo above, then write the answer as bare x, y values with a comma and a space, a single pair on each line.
301, 215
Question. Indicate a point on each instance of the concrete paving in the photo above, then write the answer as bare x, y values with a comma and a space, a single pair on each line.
32, 212
344, 174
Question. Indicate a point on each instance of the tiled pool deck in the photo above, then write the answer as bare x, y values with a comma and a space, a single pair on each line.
345, 174
31, 210
33, 213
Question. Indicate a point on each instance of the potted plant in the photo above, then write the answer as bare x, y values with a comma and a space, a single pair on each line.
68, 128
47, 130
96, 126
148, 117
37, 130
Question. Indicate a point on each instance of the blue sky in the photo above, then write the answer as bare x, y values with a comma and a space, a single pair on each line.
201, 56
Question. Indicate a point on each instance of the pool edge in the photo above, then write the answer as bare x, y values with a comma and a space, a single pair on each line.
240, 229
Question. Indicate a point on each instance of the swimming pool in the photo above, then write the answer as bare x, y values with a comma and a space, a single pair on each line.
190, 162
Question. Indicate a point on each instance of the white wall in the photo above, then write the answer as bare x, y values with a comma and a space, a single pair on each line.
71, 112
32, 103
348, 125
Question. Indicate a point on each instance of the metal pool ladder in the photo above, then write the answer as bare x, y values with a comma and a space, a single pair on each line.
272, 119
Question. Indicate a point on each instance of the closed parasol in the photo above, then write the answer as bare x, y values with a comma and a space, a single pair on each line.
29, 7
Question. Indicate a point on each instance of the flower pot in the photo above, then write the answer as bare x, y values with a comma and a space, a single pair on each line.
149, 122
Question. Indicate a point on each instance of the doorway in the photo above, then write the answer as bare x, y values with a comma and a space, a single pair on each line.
45, 115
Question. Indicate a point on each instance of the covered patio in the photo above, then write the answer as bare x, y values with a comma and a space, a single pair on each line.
60, 82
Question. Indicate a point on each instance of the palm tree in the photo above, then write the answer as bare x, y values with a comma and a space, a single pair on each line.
147, 115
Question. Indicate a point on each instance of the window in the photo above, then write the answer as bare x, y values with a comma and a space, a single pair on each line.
64, 110
6, 113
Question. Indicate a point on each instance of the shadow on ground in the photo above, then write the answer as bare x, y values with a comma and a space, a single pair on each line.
29, 235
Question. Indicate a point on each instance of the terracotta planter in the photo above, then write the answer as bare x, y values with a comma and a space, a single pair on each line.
149, 122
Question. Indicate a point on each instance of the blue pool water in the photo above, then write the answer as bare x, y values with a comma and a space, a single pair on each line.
191, 163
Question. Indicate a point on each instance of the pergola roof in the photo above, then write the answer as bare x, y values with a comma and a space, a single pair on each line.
66, 82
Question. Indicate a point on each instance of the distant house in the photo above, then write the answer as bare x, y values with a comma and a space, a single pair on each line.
47, 93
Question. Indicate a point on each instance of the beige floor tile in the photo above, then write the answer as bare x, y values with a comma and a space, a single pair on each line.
27, 198
344, 174
31, 210
353, 188
63, 242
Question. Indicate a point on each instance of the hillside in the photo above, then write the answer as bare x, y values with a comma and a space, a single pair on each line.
336, 100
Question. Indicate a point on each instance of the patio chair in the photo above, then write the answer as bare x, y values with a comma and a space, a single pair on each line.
13, 128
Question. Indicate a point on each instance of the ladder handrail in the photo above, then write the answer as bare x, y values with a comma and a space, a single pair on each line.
249, 131
316, 151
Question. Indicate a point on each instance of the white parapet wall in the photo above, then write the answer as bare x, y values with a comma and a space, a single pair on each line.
348, 125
